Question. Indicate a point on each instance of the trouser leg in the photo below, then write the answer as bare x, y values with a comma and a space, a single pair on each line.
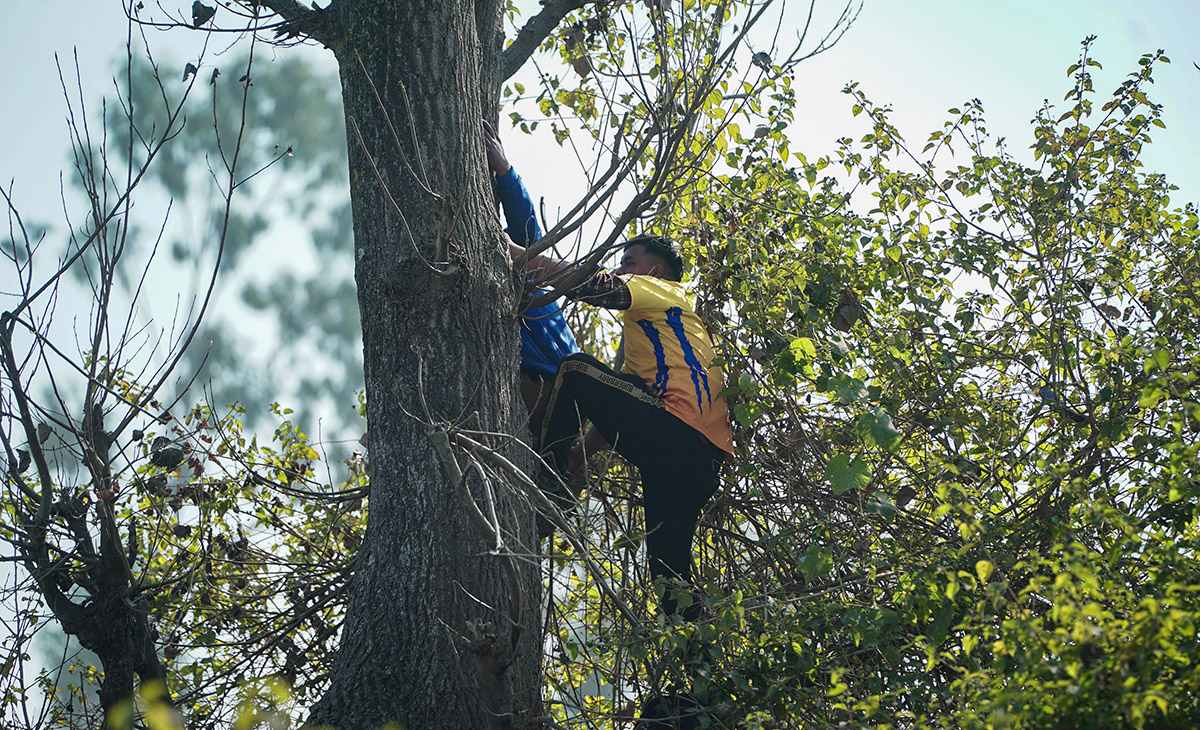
586, 389
670, 525
673, 499
679, 465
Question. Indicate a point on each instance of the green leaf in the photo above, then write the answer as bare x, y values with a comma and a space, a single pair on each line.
803, 349
847, 388
877, 429
746, 413
745, 381
844, 474
839, 346
940, 628
628, 542
1151, 396
1158, 360
815, 562
881, 504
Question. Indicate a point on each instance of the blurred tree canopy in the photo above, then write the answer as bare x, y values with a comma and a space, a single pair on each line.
292, 219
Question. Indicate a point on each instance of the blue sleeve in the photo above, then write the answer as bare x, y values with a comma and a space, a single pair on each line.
545, 340
523, 226
545, 337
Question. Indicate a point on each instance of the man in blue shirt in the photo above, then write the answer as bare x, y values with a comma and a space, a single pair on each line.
545, 337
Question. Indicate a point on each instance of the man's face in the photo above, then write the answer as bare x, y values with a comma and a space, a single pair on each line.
635, 260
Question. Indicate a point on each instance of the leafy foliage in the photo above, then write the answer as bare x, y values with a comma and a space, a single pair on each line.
170, 546
963, 382
964, 390
239, 551
250, 581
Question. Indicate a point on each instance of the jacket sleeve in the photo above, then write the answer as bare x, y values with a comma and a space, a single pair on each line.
523, 226
602, 289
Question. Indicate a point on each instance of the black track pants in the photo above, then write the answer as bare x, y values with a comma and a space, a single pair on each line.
679, 466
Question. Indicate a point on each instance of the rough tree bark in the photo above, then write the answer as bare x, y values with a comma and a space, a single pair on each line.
426, 642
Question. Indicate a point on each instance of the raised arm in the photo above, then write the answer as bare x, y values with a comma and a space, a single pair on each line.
598, 287
518, 208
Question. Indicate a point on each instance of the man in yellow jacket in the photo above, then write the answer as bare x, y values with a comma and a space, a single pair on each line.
664, 411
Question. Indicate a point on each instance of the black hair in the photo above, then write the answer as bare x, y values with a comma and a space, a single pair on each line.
662, 248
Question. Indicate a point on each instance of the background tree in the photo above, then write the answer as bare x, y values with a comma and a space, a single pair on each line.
294, 214
66, 450
156, 534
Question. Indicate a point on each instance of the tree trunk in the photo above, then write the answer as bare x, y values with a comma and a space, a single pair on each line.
426, 638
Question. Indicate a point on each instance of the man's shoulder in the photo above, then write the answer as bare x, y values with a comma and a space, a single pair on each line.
652, 290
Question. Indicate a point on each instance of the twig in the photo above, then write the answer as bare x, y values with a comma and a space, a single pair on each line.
551, 511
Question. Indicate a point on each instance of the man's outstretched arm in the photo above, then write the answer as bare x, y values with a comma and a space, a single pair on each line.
600, 288
542, 267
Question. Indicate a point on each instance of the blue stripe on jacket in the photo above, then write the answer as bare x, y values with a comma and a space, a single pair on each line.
699, 374
545, 337
661, 372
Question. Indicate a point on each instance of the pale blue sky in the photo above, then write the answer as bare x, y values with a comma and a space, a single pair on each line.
921, 56
925, 56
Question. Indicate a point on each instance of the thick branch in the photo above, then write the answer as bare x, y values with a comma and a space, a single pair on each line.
312, 22
26, 416
535, 31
